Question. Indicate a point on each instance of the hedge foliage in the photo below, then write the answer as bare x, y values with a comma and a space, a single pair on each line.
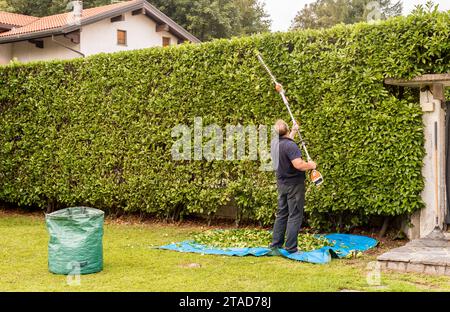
97, 131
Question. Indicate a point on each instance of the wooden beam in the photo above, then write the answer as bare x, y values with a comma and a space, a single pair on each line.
438, 91
138, 12
73, 36
421, 81
119, 18
162, 27
38, 43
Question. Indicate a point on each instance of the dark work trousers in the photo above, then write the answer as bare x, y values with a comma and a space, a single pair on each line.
291, 199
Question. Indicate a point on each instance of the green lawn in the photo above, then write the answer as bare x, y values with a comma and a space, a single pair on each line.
132, 265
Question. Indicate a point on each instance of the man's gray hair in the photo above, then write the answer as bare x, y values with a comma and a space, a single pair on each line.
281, 127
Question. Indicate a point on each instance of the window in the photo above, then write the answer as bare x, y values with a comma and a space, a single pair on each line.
121, 37
166, 41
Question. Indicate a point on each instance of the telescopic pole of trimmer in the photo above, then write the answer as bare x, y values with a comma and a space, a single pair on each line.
283, 96
316, 176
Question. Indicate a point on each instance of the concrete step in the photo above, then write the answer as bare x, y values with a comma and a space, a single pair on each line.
426, 256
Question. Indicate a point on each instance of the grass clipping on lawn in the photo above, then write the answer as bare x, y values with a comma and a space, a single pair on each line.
248, 238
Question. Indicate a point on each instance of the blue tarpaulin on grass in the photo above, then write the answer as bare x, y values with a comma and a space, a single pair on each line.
344, 244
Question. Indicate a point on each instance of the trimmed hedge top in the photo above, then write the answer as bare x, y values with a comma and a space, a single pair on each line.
97, 131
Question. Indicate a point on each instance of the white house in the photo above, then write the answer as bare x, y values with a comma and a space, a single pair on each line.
128, 25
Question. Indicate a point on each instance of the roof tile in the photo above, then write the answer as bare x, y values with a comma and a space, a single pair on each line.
13, 19
61, 20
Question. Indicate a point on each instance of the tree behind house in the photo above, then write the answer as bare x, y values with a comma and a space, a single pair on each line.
327, 13
3, 5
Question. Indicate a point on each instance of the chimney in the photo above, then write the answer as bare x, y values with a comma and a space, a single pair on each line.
75, 9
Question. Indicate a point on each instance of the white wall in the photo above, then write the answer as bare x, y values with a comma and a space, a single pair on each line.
95, 38
141, 33
5, 53
25, 51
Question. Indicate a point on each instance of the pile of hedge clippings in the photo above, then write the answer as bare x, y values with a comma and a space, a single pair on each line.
249, 238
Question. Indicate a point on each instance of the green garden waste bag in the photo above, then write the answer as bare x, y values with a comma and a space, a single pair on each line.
76, 241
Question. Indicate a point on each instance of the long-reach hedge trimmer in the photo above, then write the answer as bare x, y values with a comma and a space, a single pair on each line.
316, 176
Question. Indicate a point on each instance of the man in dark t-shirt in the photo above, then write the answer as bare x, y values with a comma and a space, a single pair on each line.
290, 171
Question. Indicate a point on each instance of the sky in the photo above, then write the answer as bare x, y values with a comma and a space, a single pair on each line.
282, 12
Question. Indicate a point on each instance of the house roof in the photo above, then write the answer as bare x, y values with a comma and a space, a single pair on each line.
60, 23
10, 20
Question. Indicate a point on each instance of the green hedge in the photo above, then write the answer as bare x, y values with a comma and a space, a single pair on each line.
97, 131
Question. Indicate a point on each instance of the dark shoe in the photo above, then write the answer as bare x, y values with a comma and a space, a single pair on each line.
274, 251
292, 251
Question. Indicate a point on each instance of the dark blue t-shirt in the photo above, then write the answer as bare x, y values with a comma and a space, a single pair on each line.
284, 151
